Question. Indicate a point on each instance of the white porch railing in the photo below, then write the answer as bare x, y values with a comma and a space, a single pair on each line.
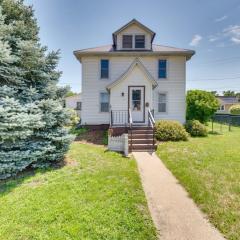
118, 143
119, 118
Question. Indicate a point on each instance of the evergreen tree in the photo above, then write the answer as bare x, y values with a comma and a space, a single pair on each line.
32, 118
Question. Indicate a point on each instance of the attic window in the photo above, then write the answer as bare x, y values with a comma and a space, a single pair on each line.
139, 41
127, 41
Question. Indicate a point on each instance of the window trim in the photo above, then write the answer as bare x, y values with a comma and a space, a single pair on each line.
162, 59
78, 109
132, 41
101, 102
100, 68
144, 47
220, 107
166, 112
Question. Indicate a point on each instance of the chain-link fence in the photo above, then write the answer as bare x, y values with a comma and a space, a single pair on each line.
225, 122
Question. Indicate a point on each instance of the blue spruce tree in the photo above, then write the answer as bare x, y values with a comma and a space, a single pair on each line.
32, 119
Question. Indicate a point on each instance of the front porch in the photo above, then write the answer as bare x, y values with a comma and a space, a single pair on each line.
124, 119
140, 136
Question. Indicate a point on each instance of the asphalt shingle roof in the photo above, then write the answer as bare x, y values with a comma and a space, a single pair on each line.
155, 48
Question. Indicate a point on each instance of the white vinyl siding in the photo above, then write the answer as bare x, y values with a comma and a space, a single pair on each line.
174, 87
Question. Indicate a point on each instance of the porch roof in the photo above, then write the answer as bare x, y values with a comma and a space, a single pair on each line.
138, 63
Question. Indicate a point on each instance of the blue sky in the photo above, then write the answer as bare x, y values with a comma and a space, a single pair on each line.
210, 27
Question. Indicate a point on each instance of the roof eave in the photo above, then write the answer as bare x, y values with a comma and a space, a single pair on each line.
188, 54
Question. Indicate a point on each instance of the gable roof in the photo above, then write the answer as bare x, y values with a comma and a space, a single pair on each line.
228, 99
133, 21
156, 50
138, 63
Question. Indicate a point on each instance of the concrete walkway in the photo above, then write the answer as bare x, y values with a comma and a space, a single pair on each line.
175, 215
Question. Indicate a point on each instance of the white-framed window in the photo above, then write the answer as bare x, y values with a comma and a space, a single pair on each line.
104, 102
221, 108
104, 64
79, 106
139, 41
162, 102
127, 41
162, 68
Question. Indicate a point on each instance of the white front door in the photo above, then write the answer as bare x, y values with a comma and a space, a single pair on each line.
136, 104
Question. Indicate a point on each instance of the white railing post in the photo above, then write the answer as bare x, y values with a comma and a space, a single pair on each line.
125, 144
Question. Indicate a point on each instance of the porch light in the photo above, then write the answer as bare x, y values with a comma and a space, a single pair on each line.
122, 94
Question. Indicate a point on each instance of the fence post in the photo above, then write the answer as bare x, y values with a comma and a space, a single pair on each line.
229, 123
212, 124
125, 137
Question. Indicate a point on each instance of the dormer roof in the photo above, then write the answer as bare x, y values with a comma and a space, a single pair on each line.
152, 50
132, 22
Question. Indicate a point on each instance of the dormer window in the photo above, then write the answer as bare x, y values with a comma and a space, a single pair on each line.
133, 36
139, 41
127, 41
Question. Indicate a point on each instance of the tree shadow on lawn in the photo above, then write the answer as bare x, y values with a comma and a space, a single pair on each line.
215, 133
96, 137
9, 184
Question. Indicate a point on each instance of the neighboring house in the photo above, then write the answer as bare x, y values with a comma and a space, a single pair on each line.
74, 102
124, 81
226, 102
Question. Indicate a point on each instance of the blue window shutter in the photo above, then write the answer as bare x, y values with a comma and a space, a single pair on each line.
104, 68
162, 68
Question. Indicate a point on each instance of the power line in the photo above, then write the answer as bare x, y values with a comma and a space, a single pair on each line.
220, 60
217, 89
225, 87
222, 78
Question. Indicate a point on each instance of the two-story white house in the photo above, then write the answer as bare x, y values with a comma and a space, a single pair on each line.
125, 81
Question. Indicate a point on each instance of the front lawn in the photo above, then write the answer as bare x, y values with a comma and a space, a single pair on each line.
97, 195
209, 169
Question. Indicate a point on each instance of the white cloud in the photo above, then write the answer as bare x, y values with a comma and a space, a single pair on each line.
221, 18
213, 38
195, 40
232, 29
235, 40
233, 32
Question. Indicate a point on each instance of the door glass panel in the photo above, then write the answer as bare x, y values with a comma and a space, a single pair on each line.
136, 100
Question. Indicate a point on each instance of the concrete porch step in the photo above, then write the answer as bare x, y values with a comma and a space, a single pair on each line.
140, 136
141, 128
140, 132
142, 147
141, 141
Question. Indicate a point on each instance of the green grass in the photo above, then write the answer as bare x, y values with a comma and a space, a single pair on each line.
209, 169
78, 131
97, 195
